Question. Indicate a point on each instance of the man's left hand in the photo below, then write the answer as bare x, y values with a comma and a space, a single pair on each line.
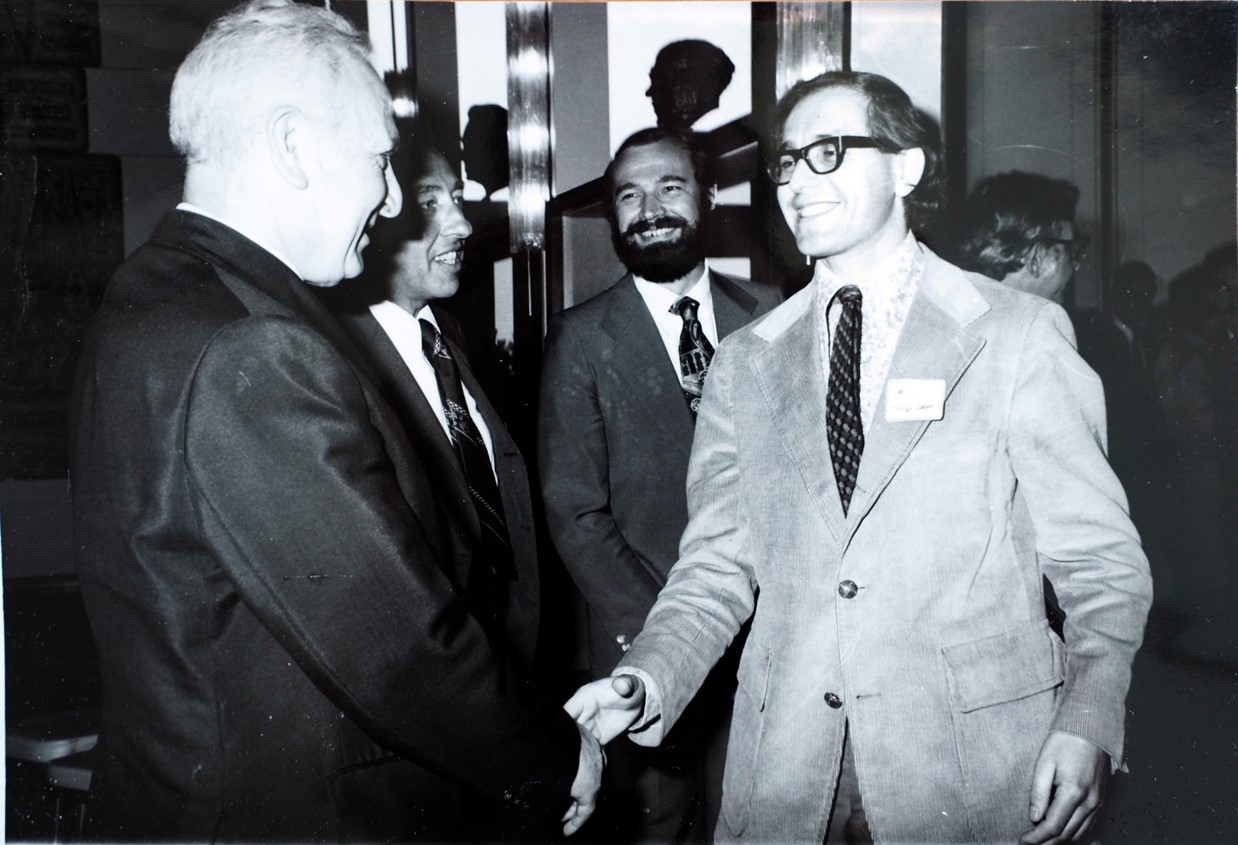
1068, 785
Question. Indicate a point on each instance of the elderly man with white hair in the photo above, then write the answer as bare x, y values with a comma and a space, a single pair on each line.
286, 653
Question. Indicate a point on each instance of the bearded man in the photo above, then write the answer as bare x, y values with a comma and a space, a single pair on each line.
621, 381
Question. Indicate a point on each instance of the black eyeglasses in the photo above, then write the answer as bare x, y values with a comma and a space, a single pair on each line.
824, 156
1076, 247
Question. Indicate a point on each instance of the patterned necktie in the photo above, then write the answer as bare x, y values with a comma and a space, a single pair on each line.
694, 351
486, 591
843, 426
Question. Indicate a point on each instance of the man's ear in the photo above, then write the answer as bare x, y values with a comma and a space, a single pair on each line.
908, 170
290, 143
713, 197
1037, 261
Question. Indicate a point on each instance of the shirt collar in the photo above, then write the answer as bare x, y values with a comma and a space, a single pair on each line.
891, 279
390, 311
660, 298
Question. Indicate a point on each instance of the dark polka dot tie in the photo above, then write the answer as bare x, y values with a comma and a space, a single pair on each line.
843, 426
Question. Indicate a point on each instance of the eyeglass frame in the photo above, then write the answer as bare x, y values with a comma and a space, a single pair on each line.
842, 143
1076, 247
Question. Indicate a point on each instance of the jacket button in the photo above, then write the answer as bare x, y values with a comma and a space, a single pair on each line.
833, 700
847, 589
622, 640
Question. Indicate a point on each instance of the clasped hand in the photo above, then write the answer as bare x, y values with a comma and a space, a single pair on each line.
608, 707
603, 710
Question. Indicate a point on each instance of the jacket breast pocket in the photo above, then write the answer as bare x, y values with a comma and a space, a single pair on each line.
747, 727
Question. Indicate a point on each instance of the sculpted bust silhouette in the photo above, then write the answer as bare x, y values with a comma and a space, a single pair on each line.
484, 147
686, 81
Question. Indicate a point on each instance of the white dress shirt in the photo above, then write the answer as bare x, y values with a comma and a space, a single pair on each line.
659, 299
404, 329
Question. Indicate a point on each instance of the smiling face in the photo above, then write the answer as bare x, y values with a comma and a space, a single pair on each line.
658, 206
353, 185
854, 215
427, 267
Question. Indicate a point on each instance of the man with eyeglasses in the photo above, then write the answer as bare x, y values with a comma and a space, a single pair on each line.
1019, 228
621, 380
894, 459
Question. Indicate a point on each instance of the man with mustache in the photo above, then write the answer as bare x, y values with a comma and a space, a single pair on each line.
479, 485
284, 647
621, 380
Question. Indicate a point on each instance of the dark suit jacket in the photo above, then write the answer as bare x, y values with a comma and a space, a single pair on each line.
277, 627
462, 534
614, 436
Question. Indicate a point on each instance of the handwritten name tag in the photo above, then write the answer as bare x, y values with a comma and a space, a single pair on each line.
910, 399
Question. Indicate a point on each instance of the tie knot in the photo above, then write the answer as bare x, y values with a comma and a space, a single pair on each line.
432, 342
849, 296
686, 308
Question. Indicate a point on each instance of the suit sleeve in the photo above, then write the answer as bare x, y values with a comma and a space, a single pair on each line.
711, 591
574, 465
301, 506
1085, 540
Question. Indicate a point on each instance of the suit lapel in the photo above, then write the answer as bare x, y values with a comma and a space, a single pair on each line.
791, 375
733, 306
511, 471
638, 360
934, 345
418, 416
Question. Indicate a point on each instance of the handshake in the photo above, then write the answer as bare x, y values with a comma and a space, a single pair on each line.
602, 710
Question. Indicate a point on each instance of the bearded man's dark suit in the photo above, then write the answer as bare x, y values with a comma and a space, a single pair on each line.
463, 536
283, 646
614, 437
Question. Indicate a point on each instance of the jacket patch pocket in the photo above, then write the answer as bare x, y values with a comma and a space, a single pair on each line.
1002, 694
1004, 667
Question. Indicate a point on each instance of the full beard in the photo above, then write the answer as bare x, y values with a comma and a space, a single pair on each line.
665, 261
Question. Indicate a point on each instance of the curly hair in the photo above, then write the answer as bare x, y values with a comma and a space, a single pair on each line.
1008, 214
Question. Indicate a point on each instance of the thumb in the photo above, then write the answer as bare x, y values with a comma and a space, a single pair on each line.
1042, 786
625, 685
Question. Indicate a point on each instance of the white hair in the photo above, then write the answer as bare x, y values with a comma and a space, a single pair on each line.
261, 54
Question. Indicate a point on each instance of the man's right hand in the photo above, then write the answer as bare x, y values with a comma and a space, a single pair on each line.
587, 783
608, 707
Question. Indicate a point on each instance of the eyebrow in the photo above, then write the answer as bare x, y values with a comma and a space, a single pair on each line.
786, 145
423, 187
669, 177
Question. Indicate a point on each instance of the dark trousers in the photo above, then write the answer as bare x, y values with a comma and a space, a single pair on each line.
848, 823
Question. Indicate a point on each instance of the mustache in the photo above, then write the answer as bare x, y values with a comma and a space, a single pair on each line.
642, 226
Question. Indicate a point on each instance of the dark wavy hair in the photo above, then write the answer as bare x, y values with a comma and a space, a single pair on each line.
702, 167
1008, 214
893, 121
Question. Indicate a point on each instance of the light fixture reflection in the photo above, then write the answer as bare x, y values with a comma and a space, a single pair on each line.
528, 128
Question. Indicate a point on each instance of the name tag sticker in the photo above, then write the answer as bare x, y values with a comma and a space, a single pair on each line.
910, 399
